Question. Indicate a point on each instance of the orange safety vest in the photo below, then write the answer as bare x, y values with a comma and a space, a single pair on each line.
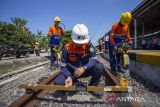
72, 50
55, 30
118, 30
36, 46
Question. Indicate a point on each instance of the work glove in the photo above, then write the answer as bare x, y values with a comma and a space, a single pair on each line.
115, 47
130, 42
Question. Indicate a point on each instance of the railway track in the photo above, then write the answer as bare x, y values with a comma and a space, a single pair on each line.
28, 75
42, 98
11, 95
9, 75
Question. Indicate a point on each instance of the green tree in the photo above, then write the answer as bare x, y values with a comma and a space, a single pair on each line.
67, 37
19, 22
16, 33
44, 42
39, 34
8, 33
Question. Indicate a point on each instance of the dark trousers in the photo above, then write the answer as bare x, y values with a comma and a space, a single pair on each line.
106, 45
144, 46
100, 48
37, 52
114, 58
96, 72
155, 47
52, 56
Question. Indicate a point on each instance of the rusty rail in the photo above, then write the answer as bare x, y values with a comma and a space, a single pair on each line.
117, 83
27, 100
115, 80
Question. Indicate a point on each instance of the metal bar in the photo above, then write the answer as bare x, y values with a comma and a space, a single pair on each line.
73, 88
94, 88
47, 87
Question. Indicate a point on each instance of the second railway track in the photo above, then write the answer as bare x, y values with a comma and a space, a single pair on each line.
9, 82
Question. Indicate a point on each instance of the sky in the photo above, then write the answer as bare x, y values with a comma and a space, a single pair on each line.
97, 15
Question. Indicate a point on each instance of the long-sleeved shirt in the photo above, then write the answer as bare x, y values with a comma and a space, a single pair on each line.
75, 57
119, 33
100, 41
55, 33
36, 46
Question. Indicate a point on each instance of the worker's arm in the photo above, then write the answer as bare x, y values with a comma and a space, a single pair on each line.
93, 57
112, 35
112, 39
63, 33
128, 35
64, 61
50, 32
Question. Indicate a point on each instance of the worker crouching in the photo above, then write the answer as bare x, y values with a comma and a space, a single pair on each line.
79, 60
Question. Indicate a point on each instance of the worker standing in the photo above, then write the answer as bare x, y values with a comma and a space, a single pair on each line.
119, 32
37, 49
106, 39
100, 43
55, 32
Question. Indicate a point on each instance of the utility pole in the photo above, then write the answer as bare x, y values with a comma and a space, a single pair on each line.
135, 33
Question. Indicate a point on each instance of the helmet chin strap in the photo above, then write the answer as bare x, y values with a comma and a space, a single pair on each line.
56, 24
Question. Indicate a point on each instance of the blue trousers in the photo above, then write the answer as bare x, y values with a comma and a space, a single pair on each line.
52, 56
114, 58
96, 72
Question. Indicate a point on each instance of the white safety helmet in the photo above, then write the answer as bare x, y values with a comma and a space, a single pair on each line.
80, 34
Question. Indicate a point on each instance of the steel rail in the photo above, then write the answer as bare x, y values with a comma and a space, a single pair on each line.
27, 99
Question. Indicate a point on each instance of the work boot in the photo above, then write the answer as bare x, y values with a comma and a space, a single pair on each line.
53, 67
114, 71
108, 82
71, 93
59, 94
119, 68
